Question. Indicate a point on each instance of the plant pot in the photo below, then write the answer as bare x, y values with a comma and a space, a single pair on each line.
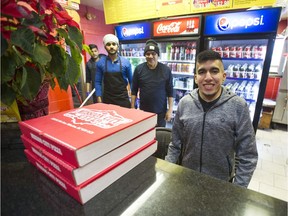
37, 107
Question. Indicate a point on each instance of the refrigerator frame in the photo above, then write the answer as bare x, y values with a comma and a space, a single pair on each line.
266, 64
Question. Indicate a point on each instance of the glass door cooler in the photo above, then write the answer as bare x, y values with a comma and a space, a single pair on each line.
245, 42
178, 40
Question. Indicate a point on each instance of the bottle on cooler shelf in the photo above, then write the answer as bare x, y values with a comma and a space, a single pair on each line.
236, 70
182, 53
250, 71
193, 53
262, 51
187, 52
219, 50
258, 71
229, 71
168, 51
177, 51
243, 69
239, 52
172, 55
179, 67
247, 52
255, 52
174, 67
226, 52
232, 52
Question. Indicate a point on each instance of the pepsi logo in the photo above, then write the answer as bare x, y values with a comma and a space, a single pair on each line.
124, 32
223, 23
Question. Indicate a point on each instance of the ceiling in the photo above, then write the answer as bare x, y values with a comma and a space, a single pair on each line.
98, 4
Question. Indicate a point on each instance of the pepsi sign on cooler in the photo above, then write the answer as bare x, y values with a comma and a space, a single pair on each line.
245, 42
251, 21
136, 31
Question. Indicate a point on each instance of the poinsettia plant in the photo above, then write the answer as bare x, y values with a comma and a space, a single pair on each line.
39, 42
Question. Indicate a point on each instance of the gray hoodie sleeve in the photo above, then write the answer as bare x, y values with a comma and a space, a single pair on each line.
246, 149
174, 148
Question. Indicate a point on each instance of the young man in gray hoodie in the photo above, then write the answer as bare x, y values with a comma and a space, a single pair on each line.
212, 125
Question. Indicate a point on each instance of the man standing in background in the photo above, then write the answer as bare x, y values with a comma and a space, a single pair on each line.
91, 70
115, 72
154, 81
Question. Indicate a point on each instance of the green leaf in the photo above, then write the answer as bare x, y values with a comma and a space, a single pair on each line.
32, 84
41, 54
4, 45
35, 21
7, 94
73, 73
23, 38
8, 67
59, 62
76, 36
76, 55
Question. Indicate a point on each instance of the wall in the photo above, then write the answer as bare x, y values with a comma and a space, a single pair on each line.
273, 82
95, 29
281, 26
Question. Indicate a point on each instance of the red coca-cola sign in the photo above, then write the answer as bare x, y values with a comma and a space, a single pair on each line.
172, 27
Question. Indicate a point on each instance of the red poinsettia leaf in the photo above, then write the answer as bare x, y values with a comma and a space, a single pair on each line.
48, 20
15, 10
73, 23
38, 31
50, 40
62, 17
6, 34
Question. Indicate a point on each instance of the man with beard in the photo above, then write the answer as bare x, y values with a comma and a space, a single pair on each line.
115, 73
154, 81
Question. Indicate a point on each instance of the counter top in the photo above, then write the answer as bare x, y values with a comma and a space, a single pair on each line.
154, 187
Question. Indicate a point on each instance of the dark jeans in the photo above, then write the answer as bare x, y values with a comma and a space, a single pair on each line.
161, 122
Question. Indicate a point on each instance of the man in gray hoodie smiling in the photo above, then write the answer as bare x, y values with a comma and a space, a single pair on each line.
212, 125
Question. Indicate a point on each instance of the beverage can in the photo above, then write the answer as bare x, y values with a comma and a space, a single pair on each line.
226, 52
262, 51
219, 50
239, 52
174, 67
236, 71
247, 52
232, 53
179, 67
255, 52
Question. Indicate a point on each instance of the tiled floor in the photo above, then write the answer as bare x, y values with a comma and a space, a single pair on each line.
271, 174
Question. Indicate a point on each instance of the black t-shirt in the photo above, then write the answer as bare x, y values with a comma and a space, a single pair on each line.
155, 85
207, 105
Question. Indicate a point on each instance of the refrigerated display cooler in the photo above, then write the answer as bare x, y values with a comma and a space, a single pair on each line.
245, 41
178, 41
132, 38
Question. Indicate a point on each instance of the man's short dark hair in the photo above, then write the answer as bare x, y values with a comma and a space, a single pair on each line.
208, 55
92, 46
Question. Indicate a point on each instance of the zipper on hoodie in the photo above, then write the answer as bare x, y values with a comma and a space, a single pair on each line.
202, 138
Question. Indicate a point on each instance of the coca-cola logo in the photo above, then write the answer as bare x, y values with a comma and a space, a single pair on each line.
173, 27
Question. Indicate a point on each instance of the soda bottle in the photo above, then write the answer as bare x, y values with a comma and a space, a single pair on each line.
168, 51
187, 52
177, 51
182, 53
172, 56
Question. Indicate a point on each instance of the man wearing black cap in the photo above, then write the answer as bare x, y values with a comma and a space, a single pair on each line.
91, 69
154, 81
